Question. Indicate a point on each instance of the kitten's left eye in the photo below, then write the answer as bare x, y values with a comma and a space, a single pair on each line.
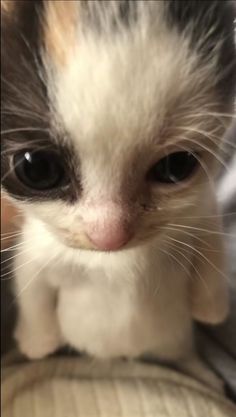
174, 168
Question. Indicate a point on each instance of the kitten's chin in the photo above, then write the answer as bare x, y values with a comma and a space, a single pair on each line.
84, 245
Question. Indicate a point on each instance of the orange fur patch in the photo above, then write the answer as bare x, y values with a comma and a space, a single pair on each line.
61, 18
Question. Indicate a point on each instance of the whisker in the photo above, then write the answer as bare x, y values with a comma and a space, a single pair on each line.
24, 94
203, 165
233, 213
35, 276
209, 150
200, 229
176, 260
14, 256
19, 162
25, 115
192, 265
24, 129
16, 269
218, 115
200, 254
11, 236
16, 246
11, 233
213, 133
175, 229
213, 138
16, 148
35, 59
207, 172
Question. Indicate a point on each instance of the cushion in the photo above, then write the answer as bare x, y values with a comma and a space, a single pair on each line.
75, 386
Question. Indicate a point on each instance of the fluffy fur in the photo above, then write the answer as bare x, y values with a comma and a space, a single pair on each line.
116, 89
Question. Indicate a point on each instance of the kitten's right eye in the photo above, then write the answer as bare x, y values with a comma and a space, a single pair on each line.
39, 170
174, 168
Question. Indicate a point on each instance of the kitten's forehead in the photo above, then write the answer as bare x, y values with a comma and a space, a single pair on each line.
118, 87
117, 70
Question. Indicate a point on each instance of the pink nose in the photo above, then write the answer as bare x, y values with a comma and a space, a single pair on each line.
107, 236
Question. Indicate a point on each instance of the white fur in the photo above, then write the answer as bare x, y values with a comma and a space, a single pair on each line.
125, 88
115, 101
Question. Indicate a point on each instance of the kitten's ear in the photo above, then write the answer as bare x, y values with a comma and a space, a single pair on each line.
209, 290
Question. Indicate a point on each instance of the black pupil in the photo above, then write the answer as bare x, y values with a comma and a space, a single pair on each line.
40, 170
174, 168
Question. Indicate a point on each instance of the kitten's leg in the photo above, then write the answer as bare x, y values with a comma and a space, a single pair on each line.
208, 286
37, 331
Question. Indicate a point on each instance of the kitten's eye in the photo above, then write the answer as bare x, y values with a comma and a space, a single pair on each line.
174, 168
39, 170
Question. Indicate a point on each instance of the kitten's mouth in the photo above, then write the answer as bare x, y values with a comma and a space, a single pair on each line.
131, 244
104, 240
80, 241
86, 244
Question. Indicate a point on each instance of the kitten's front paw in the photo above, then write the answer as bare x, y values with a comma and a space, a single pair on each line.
37, 345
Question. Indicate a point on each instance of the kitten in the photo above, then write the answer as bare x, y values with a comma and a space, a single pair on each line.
113, 114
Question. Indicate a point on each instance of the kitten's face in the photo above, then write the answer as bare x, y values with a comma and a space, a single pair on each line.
113, 114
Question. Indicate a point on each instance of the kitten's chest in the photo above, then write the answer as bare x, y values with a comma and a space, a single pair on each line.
105, 320
110, 314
